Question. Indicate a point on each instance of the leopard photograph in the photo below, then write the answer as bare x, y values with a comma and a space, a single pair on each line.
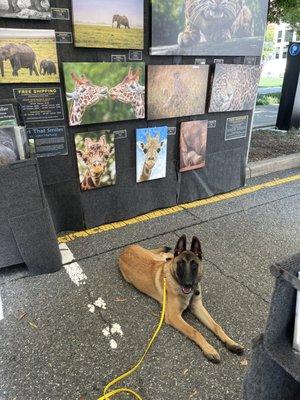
234, 87
208, 27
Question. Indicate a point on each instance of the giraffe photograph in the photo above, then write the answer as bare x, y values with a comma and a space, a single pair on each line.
151, 153
99, 92
234, 87
96, 159
25, 9
115, 24
176, 90
193, 139
208, 27
28, 56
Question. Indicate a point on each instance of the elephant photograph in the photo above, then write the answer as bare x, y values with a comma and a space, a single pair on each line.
28, 56
25, 9
108, 24
47, 67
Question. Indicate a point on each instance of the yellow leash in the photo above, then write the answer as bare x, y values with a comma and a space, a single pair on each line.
107, 395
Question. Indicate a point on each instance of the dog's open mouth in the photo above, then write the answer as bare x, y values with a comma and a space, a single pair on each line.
186, 289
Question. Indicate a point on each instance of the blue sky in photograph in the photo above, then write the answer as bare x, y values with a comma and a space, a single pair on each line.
102, 11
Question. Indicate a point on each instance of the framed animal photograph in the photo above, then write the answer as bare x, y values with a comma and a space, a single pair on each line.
234, 87
115, 24
208, 27
104, 92
96, 159
176, 90
25, 9
193, 139
13, 144
8, 146
28, 56
151, 153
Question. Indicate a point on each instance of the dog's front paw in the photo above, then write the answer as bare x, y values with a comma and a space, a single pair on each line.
235, 347
188, 38
212, 355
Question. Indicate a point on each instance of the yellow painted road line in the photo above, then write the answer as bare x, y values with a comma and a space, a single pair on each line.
173, 210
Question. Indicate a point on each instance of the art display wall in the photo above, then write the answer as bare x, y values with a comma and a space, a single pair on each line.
122, 126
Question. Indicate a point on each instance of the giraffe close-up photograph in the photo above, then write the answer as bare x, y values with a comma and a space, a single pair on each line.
151, 153
96, 159
104, 92
149, 199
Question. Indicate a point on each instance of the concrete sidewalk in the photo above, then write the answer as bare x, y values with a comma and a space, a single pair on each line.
63, 336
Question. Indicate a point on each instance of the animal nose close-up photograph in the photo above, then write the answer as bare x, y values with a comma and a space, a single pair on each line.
150, 199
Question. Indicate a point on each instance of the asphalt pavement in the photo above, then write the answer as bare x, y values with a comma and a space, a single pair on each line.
64, 335
265, 116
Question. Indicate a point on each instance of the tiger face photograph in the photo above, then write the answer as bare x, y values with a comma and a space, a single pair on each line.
208, 27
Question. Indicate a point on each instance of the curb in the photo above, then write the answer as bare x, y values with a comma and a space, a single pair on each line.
264, 167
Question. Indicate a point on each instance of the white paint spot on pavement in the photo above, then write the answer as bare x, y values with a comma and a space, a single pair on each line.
116, 328
100, 303
106, 332
113, 344
78, 277
1, 309
91, 308
76, 273
66, 254
74, 270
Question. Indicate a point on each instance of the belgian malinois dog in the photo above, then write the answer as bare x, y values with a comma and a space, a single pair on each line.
183, 270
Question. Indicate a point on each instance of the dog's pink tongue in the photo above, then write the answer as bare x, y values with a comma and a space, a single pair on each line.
186, 290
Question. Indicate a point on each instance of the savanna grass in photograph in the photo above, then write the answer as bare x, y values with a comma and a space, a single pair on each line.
96, 159
116, 24
176, 90
104, 92
28, 56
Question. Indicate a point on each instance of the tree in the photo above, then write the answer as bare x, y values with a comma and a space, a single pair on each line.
269, 45
287, 11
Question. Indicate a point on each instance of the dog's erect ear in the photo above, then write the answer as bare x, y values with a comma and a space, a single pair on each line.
180, 246
196, 247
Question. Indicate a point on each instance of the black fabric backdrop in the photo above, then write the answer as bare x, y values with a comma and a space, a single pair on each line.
72, 209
